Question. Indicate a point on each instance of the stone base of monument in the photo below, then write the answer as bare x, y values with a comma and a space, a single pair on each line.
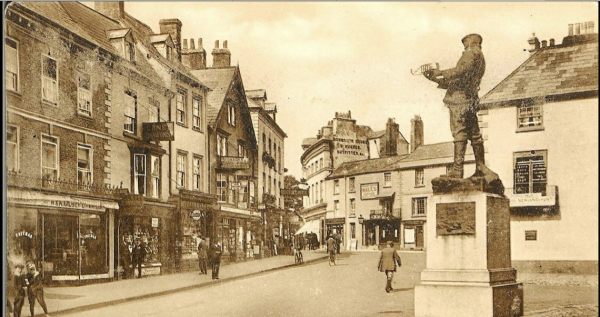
468, 265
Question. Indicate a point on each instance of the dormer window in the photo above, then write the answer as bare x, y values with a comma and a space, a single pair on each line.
164, 45
123, 42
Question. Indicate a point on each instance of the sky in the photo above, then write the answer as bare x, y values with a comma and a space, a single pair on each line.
316, 58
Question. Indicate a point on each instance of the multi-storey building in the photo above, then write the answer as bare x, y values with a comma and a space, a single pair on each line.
541, 125
233, 156
270, 138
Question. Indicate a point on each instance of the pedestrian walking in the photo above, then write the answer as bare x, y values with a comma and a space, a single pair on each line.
216, 260
331, 249
138, 254
338, 242
19, 289
202, 256
35, 289
387, 264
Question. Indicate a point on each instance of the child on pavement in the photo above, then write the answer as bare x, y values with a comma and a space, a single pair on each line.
35, 289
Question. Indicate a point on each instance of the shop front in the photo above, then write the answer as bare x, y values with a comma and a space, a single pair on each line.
335, 227
195, 219
379, 231
236, 231
151, 222
68, 237
414, 237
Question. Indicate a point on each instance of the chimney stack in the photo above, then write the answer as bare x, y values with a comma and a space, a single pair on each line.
221, 56
192, 57
551, 43
534, 43
544, 43
570, 29
577, 28
389, 144
416, 133
173, 28
114, 10
580, 33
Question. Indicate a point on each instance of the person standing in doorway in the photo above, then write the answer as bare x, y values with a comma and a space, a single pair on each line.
202, 255
35, 289
138, 254
216, 260
387, 264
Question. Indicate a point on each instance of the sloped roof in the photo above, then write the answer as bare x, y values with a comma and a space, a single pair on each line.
117, 34
551, 71
366, 166
376, 134
157, 38
212, 113
219, 80
256, 93
309, 141
437, 153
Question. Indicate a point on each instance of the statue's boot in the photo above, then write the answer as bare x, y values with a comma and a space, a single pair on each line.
479, 153
459, 157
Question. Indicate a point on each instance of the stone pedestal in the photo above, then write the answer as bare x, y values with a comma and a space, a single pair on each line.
468, 266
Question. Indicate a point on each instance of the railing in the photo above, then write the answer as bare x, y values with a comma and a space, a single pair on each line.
545, 198
17, 179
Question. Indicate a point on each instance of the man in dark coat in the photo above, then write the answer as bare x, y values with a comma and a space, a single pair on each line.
35, 289
387, 263
19, 288
125, 258
138, 254
462, 86
215, 260
202, 256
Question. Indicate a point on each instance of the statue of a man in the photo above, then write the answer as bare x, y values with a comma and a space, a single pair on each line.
462, 86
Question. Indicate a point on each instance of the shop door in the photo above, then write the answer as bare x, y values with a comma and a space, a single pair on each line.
389, 232
61, 245
92, 234
419, 236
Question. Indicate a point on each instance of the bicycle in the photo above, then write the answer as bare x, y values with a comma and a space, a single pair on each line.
331, 257
299, 257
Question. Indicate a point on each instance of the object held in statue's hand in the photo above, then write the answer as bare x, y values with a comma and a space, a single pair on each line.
425, 69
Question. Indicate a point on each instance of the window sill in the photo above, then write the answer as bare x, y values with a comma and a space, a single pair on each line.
49, 103
181, 124
390, 186
419, 186
529, 129
15, 93
197, 129
85, 116
419, 216
131, 135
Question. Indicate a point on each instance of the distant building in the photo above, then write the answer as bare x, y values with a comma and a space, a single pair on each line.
541, 129
270, 137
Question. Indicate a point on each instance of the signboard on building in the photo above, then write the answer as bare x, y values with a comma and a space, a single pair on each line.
233, 162
154, 222
158, 131
369, 191
294, 192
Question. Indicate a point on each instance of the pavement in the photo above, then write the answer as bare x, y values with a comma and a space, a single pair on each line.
71, 299
276, 286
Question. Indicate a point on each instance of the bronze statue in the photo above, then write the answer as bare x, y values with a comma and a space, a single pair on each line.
462, 87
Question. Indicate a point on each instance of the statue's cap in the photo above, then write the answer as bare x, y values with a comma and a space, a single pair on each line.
472, 38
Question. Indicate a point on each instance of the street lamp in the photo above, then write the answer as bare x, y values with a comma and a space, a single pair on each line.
361, 221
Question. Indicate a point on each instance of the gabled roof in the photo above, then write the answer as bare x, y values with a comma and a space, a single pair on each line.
218, 80
117, 34
271, 106
551, 71
158, 38
256, 93
366, 166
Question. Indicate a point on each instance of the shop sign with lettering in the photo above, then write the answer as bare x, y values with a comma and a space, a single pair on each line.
369, 191
24, 233
158, 131
294, 192
233, 162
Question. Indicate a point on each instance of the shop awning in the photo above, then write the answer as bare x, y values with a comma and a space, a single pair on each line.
310, 226
43, 200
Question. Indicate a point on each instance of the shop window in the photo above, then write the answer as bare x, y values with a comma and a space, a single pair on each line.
352, 185
197, 173
84, 94
139, 174
12, 148
197, 113
409, 235
387, 180
419, 177
11, 48
181, 169
155, 174
84, 164
530, 172
49, 79
153, 110
49, 157
352, 230
336, 186
419, 206
231, 190
61, 245
222, 187
231, 114
180, 100
529, 115
221, 145
130, 113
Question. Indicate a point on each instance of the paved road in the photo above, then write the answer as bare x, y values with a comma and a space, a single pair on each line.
352, 288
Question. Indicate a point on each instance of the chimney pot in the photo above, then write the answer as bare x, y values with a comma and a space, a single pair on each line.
217, 44
591, 26
199, 43
577, 28
570, 29
185, 46
192, 45
225, 44
551, 42
544, 43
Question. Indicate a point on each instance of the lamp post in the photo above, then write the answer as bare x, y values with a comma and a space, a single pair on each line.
361, 221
